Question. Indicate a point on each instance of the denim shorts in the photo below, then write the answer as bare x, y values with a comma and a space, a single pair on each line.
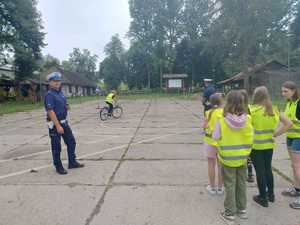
293, 144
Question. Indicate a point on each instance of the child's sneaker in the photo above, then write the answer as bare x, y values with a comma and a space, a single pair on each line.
211, 190
227, 218
291, 192
220, 190
295, 204
242, 214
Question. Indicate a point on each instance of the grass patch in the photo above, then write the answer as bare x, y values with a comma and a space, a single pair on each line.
186, 96
18, 106
25, 106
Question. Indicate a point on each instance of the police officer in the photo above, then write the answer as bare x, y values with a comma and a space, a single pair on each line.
57, 109
208, 91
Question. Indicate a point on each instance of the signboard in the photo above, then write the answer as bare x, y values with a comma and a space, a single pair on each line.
175, 83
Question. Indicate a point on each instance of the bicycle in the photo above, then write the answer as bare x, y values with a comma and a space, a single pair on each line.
116, 113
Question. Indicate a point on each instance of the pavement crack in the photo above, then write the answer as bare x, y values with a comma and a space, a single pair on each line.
99, 204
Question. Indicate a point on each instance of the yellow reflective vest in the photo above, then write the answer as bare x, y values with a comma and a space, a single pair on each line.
290, 112
109, 98
264, 127
235, 145
215, 116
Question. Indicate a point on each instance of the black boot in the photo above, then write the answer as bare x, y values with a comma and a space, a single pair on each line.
61, 170
261, 201
271, 197
75, 165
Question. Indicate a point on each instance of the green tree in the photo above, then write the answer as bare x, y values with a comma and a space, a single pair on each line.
21, 34
49, 61
142, 30
248, 29
295, 27
112, 68
81, 61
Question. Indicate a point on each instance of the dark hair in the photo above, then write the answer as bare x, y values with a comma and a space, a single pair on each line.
235, 103
292, 86
261, 97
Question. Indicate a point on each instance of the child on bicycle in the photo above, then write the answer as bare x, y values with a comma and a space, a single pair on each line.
109, 100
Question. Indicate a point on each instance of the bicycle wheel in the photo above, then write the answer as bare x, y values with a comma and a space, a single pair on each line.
117, 112
104, 114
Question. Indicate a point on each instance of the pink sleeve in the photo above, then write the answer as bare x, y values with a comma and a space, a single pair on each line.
217, 131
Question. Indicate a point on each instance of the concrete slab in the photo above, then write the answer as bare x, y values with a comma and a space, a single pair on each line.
24, 150
169, 172
47, 205
166, 151
94, 173
161, 180
10, 167
158, 206
135, 205
190, 137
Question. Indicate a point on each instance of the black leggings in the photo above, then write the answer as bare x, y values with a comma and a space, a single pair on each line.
110, 109
262, 161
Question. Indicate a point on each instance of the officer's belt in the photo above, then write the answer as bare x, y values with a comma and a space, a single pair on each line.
63, 121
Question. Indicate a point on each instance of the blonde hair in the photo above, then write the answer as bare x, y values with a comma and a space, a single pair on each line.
261, 97
235, 103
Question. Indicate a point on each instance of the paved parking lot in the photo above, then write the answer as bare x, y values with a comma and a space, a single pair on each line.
147, 168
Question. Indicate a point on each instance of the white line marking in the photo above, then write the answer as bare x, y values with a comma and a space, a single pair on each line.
43, 152
93, 154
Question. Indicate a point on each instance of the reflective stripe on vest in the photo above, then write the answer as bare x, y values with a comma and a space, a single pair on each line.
234, 157
234, 147
235, 144
264, 127
264, 131
264, 141
290, 112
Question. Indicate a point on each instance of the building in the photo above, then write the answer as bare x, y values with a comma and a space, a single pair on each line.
7, 77
73, 84
272, 75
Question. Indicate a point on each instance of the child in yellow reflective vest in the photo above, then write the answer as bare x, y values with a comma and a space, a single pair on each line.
234, 135
265, 120
211, 117
291, 93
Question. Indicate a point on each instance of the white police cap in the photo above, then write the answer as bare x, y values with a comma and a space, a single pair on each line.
207, 80
54, 76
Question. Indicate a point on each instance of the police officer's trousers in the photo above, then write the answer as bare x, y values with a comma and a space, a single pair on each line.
69, 140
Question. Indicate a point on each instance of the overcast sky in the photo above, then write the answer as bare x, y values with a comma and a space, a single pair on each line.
83, 24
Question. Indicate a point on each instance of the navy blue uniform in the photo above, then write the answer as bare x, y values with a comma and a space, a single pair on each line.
208, 91
56, 101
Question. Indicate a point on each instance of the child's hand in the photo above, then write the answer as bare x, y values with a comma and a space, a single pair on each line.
205, 125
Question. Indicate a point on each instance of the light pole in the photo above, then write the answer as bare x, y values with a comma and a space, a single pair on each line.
38, 73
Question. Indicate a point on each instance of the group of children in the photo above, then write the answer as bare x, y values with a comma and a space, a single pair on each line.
237, 132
